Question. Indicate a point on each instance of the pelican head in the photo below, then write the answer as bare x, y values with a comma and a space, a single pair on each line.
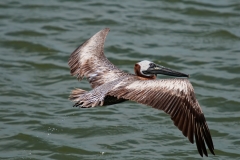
150, 69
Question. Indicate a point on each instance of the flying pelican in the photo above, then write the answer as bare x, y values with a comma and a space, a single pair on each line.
111, 85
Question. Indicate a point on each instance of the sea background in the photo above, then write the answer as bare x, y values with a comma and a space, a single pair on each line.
37, 121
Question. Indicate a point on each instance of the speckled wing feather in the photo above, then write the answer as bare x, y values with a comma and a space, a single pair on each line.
89, 60
174, 96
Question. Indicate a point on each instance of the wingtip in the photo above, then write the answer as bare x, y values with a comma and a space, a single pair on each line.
107, 29
98, 39
212, 151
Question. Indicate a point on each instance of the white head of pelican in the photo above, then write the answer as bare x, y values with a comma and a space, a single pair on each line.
150, 69
111, 85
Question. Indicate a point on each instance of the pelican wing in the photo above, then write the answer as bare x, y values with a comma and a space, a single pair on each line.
176, 97
89, 60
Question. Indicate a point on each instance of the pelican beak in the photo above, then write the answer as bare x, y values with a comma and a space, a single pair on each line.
165, 71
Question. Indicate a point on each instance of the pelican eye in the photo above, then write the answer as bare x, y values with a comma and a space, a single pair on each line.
152, 65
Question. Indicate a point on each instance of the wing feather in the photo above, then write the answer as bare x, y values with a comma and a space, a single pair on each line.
175, 108
185, 123
89, 60
190, 128
176, 97
197, 138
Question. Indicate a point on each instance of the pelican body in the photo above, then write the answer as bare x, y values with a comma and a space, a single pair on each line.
111, 86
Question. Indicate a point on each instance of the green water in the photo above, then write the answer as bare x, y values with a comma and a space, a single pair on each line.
37, 121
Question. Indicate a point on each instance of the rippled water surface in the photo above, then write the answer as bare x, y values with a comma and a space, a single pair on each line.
37, 121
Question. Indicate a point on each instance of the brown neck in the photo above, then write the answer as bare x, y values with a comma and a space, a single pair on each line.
137, 69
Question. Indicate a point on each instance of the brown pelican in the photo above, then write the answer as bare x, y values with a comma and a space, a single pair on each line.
111, 85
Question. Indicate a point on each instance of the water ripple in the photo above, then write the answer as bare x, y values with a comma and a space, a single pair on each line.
27, 46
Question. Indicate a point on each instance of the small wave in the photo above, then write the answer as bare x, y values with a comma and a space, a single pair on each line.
223, 34
26, 46
26, 33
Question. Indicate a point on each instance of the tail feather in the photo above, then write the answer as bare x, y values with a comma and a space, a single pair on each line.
76, 94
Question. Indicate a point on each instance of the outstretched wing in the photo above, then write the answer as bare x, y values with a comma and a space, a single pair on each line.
89, 60
176, 97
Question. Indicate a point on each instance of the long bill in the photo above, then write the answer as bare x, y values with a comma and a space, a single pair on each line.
164, 71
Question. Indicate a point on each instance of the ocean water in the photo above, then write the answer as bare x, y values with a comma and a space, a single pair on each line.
37, 121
